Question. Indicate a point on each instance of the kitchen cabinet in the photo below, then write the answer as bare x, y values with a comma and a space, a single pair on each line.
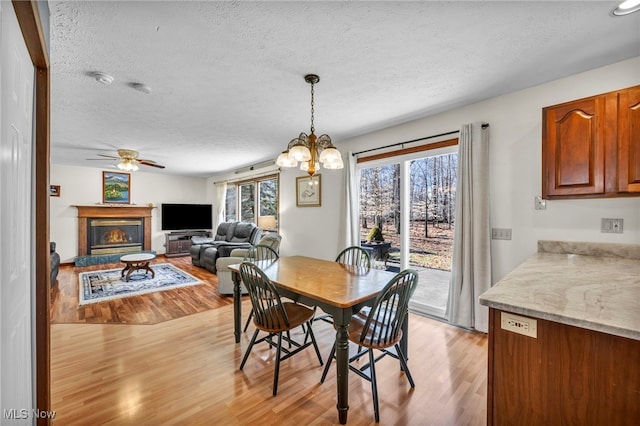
591, 146
566, 375
629, 140
564, 337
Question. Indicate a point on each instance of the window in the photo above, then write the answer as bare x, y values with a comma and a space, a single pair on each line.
254, 201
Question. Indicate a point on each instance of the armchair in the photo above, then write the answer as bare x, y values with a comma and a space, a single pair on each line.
225, 283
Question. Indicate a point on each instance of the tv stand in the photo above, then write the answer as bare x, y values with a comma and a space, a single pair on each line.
179, 242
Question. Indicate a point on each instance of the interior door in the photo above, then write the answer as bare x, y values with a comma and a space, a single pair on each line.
16, 238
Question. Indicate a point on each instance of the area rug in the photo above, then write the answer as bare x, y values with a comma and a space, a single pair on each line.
99, 286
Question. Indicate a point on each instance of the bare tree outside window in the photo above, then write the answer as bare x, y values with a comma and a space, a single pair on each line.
432, 192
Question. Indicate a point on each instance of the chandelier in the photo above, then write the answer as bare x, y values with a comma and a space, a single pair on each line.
311, 151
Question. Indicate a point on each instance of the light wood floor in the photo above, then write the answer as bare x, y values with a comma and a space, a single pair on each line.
185, 372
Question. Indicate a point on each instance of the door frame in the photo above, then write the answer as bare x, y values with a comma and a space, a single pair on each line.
29, 19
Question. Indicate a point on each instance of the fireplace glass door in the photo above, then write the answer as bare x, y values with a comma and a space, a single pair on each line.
112, 236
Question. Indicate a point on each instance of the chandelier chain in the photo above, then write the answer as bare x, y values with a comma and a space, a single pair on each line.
312, 104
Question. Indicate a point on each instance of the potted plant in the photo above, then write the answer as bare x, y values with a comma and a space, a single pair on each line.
375, 241
375, 235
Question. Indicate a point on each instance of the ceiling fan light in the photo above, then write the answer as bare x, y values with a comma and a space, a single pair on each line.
127, 165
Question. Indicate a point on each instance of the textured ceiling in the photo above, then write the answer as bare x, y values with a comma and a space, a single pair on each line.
226, 78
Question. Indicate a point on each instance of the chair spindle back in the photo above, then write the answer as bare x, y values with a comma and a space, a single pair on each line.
354, 256
269, 313
384, 322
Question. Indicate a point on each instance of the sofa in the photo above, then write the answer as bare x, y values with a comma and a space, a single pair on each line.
229, 236
54, 263
225, 283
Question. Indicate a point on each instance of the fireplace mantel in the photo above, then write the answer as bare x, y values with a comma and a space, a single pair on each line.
105, 211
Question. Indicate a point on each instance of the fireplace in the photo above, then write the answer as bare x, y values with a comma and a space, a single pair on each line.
111, 230
111, 236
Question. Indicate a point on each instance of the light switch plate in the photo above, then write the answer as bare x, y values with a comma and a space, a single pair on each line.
500, 233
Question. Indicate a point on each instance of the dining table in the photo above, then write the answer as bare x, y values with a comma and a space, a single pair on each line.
338, 289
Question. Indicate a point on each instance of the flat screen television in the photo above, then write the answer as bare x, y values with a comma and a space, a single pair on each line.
178, 217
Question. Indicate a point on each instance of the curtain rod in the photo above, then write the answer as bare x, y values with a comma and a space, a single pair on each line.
484, 126
248, 177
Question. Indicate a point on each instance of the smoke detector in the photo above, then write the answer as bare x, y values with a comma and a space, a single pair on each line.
102, 77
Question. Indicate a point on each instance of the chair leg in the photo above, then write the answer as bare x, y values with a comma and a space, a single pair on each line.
403, 364
313, 340
326, 367
248, 321
246, 354
374, 385
277, 368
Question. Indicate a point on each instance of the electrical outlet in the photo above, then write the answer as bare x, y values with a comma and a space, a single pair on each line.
500, 233
518, 324
614, 226
539, 203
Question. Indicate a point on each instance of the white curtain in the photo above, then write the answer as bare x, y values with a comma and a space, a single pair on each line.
221, 201
471, 265
350, 223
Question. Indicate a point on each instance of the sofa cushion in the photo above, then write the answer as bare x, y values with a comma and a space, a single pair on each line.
225, 231
243, 232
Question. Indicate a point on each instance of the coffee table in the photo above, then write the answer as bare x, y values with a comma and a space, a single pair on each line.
136, 262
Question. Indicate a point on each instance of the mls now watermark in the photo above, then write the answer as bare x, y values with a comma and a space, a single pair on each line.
23, 413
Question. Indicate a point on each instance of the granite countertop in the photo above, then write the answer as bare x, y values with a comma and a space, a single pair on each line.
589, 285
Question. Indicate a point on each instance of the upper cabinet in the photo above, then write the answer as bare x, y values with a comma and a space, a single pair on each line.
629, 140
591, 147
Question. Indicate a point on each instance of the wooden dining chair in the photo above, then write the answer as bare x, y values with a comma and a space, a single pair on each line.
255, 253
274, 317
380, 328
353, 256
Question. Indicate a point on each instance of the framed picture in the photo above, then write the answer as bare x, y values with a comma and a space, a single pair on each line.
116, 188
308, 191
54, 190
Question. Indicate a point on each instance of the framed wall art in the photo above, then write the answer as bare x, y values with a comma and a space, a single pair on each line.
54, 190
116, 188
308, 191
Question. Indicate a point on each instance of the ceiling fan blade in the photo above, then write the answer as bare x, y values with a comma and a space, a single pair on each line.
98, 159
146, 163
109, 156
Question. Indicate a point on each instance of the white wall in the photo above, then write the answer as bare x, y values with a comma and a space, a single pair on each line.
83, 186
516, 169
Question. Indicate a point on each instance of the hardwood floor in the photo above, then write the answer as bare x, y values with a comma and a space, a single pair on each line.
185, 371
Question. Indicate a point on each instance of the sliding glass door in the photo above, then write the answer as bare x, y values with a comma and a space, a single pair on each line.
419, 189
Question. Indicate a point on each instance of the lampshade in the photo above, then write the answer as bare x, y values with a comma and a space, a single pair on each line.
268, 223
284, 160
300, 153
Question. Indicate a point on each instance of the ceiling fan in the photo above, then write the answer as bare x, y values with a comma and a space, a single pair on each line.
129, 160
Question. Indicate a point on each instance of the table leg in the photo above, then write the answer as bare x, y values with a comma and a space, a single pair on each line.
148, 268
237, 305
342, 366
125, 269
